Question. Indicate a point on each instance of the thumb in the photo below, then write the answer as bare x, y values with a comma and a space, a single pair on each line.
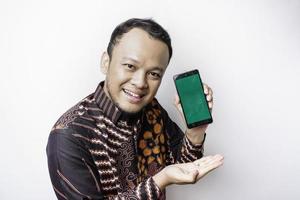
177, 104
188, 177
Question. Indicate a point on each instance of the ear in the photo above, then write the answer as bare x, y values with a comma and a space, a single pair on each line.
105, 62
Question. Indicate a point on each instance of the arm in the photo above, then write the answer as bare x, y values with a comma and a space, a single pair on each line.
75, 176
186, 149
186, 164
181, 148
193, 140
72, 173
196, 135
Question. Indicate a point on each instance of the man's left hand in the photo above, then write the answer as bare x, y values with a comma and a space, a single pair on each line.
196, 134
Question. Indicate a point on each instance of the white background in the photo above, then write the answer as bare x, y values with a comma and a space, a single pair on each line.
247, 51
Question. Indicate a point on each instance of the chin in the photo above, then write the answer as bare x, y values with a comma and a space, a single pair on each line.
131, 111
131, 107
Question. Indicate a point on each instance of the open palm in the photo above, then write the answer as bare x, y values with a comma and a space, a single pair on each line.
186, 173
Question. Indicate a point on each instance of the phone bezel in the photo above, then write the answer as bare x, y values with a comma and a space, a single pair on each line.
183, 75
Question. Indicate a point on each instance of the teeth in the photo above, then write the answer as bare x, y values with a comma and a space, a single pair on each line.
131, 93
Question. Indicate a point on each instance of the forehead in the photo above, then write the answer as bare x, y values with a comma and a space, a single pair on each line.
139, 44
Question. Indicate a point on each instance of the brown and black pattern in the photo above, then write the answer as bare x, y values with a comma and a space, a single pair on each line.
95, 151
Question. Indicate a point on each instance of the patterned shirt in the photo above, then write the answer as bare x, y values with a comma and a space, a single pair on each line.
96, 151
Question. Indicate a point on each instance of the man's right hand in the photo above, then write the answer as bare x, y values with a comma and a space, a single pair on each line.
187, 173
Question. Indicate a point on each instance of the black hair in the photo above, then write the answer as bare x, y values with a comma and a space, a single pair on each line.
148, 25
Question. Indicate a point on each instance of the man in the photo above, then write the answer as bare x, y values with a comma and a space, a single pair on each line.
118, 142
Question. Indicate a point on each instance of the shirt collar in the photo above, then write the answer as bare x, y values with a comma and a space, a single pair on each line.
106, 104
111, 110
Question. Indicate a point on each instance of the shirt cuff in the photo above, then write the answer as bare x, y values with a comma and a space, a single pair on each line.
148, 190
194, 146
191, 152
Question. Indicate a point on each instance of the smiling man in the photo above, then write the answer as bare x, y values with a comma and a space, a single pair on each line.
118, 142
134, 69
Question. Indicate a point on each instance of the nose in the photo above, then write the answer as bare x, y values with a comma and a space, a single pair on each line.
139, 80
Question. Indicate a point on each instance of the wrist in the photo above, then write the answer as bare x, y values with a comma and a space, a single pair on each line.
161, 179
195, 138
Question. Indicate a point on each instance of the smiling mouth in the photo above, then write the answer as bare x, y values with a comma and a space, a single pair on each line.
133, 96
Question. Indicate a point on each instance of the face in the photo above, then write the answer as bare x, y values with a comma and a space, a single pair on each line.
135, 70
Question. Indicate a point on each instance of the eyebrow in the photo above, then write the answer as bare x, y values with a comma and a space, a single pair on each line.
158, 68
136, 61
130, 58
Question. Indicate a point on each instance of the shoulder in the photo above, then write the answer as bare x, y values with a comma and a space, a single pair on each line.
74, 113
71, 127
61, 140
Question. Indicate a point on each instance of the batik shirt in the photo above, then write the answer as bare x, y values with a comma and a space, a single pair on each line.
96, 151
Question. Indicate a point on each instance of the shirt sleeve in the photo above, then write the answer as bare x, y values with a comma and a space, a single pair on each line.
181, 149
74, 175
189, 151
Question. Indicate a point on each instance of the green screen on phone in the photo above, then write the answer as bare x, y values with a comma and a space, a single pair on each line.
192, 98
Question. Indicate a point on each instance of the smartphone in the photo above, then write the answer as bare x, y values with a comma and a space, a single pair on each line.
192, 98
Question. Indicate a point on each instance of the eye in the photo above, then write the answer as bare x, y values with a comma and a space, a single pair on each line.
129, 66
154, 75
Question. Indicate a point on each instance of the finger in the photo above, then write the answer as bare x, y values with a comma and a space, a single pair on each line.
210, 163
210, 91
205, 88
210, 105
203, 159
208, 167
177, 105
176, 99
211, 166
209, 97
208, 159
212, 160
